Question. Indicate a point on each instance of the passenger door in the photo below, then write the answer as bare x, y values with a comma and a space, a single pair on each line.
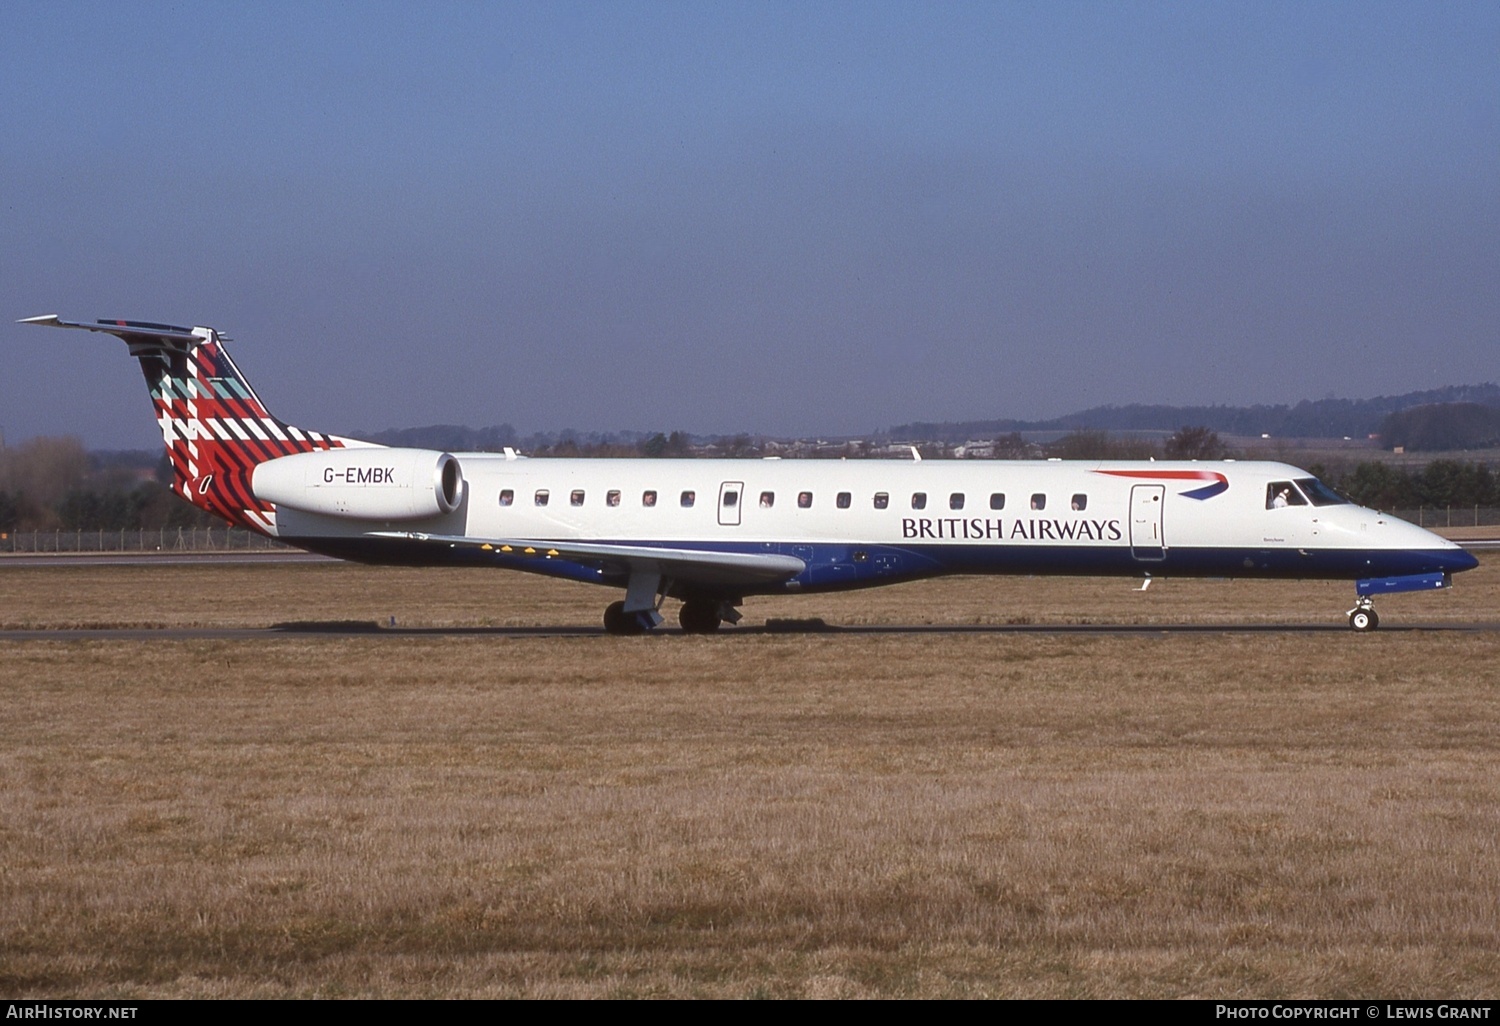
1146, 541
731, 498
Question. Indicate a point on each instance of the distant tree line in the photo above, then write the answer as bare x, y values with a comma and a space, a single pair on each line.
55, 484
677, 445
658, 445
1187, 443
1442, 427
1440, 483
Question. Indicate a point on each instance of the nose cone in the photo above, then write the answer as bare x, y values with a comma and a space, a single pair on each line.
1457, 560
1443, 554
1415, 549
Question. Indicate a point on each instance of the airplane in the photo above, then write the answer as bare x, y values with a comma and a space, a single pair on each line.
715, 532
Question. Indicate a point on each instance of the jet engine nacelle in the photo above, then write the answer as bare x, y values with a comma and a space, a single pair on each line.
366, 484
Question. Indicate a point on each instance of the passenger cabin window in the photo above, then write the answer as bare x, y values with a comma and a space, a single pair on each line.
804, 500
731, 499
507, 496
1038, 501
997, 500
541, 496
576, 498
612, 497
918, 500
767, 500
688, 498
1080, 501
843, 500
1283, 493
882, 500
648, 498
956, 500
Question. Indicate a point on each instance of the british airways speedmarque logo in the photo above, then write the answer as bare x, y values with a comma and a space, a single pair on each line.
1219, 485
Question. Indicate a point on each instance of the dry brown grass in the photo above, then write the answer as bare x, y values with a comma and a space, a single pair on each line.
902, 813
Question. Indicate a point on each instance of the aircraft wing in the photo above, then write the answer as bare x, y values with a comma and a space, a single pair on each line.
697, 566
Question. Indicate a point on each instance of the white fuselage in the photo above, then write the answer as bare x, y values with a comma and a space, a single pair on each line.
944, 516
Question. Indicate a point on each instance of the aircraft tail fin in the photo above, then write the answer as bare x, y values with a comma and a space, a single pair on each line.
215, 428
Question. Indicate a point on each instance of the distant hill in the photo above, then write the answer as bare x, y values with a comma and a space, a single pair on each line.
1311, 418
448, 437
458, 438
1319, 418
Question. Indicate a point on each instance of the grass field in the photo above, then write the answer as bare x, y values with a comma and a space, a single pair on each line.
902, 813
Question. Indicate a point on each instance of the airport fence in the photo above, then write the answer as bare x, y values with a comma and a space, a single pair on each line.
166, 539
1450, 516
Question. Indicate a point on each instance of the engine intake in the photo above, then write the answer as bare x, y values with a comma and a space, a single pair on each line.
365, 484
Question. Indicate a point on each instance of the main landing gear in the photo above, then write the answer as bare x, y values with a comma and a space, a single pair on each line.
1362, 617
617, 621
697, 616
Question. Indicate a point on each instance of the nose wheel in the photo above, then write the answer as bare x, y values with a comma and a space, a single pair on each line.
1362, 617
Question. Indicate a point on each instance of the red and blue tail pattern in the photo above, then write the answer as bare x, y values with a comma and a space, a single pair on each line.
216, 430
213, 424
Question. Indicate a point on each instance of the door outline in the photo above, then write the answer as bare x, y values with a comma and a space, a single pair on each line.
1147, 542
731, 499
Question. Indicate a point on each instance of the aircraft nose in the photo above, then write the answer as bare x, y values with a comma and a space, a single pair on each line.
1459, 560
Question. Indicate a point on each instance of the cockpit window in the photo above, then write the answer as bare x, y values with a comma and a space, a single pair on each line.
1283, 493
1320, 493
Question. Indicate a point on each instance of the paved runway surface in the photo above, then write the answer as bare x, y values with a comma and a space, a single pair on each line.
372, 630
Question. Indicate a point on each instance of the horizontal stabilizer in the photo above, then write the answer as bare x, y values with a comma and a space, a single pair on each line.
698, 566
137, 333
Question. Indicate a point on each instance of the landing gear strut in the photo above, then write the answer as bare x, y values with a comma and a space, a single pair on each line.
1362, 617
698, 615
638, 613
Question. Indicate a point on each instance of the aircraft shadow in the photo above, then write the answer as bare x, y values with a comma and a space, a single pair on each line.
371, 629
807, 627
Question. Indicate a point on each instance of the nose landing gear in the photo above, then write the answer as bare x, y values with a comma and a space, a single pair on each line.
1362, 617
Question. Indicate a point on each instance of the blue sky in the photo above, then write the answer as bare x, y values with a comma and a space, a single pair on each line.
773, 218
